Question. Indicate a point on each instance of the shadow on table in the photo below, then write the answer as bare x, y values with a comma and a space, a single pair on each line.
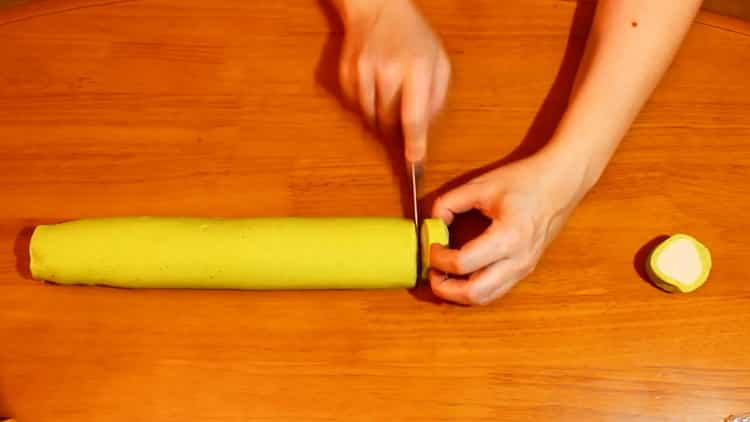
4, 408
541, 130
327, 75
640, 260
21, 250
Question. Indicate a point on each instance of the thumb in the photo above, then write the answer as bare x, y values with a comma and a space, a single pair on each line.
459, 200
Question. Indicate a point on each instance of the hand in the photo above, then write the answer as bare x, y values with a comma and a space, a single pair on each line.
528, 202
394, 68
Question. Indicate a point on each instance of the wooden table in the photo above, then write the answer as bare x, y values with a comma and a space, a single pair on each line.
224, 108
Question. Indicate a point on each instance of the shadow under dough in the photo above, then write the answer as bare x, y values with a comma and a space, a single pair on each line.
640, 260
21, 251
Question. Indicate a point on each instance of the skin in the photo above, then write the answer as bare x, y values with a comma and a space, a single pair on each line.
396, 69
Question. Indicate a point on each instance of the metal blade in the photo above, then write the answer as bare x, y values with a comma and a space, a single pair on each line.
415, 173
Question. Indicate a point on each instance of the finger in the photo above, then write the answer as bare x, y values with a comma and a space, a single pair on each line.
440, 80
492, 245
348, 74
388, 78
504, 287
483, 287
445, 259
445, 287
456, 201
366, 88
480, 288
415, 109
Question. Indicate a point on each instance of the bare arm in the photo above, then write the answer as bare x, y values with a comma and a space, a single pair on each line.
630, 46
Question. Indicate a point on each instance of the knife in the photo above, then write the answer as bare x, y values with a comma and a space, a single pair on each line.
415, 176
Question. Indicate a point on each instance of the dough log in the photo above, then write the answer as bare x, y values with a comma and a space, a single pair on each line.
254, 253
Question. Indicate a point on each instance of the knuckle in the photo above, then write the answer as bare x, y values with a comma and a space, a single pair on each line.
364, 62
439, 204
390, 72
513, 237
476, 296
410, 120
435, 281
413, 118
526, 266
497, 247
472, 297
459, 265
421, 62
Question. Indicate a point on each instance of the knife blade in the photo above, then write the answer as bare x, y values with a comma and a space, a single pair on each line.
415, 175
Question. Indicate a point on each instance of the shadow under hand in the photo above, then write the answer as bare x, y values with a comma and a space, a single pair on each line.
541, 130
640, 260
21, 250
327, 75
4, 408
327, 71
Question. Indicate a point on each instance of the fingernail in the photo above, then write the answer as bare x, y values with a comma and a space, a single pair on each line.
415, 151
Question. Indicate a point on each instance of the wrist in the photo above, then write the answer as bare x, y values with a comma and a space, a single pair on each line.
581, 154
354, 12
567, 173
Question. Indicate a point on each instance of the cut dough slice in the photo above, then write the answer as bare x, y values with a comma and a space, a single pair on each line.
679, 264
433, 230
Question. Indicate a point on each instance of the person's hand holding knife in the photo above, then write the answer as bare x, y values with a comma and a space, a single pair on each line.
394, 68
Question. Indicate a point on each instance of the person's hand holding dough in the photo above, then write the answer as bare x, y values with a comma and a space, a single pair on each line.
630, 46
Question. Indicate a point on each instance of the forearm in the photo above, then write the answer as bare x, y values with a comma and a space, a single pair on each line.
631, 45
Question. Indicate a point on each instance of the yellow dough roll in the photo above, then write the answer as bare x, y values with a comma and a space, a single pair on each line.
253, 253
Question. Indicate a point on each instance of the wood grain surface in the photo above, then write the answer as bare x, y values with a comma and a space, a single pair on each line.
228, 108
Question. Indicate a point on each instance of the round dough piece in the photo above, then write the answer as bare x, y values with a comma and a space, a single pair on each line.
679, 264
433, 230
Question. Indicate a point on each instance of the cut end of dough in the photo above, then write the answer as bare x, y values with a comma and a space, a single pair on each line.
680, 264
34, 261
433, 230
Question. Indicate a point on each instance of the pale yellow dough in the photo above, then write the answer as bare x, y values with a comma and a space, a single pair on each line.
679, 264
256, 253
